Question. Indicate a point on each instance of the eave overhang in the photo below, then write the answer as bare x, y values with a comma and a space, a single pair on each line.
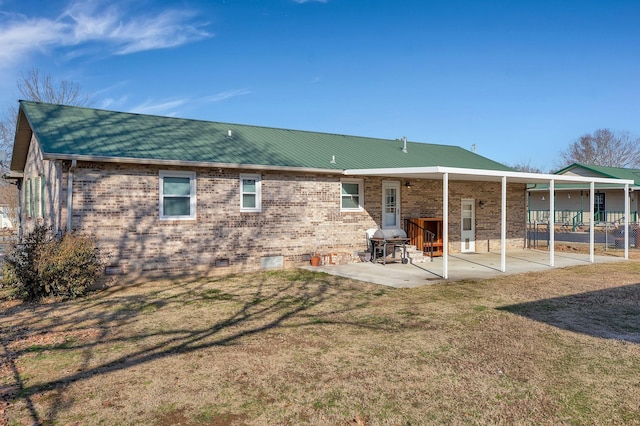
182, 163
21, 142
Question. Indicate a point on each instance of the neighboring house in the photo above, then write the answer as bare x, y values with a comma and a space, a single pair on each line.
8, 206
572, 206
168, 196
5, 217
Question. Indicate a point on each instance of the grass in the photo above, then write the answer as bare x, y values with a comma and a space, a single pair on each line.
296, 347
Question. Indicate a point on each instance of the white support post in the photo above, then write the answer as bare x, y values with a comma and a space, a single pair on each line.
592, 222
503, 227
445, 226
552, 222
626, 221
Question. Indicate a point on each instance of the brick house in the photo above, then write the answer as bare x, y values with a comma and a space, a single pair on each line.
167, 196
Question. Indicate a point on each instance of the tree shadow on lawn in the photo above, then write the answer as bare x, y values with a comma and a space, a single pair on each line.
611, 313
258, 306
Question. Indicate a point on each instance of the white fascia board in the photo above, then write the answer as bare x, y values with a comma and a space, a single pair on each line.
480, 173
393, 171
586, 188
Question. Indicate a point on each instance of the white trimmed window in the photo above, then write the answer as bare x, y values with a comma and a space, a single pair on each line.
250, 193
177, 195
351, 195
27, 197
30, 209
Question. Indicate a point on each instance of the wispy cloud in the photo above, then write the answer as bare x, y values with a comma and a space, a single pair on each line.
20, 35
111, 27
224, 95
164, 107
171, 106
110, 103
310, 1
167, 29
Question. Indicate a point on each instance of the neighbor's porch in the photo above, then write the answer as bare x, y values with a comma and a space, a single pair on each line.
574, 205
577, 218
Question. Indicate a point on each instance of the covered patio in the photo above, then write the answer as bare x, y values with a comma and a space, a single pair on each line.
447, 174
467, 266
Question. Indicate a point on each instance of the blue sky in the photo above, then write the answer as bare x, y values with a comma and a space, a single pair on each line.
519, 79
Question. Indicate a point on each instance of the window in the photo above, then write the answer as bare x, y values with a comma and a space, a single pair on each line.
177, 195
351, 195
25, 198
36, 197
250, 193
42, 196
599, 207
30, 203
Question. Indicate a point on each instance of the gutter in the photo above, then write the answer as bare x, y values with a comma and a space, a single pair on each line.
74, 163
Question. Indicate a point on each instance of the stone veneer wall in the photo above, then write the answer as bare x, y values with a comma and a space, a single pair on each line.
118, 203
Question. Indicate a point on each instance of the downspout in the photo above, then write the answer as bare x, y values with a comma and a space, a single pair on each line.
20, 185
74, 163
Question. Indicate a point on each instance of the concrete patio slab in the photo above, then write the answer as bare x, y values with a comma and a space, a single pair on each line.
461, 267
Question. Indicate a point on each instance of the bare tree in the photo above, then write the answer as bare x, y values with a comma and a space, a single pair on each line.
604, 148
526, 167
34, 86
41, 88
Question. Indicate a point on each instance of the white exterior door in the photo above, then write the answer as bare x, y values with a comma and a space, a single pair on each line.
468, 236
390, 205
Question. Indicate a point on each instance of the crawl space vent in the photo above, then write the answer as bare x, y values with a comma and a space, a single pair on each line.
222, 263
272, 262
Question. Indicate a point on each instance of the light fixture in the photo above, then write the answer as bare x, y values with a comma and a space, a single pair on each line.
407, 184
542, 198
481, 203
569, 196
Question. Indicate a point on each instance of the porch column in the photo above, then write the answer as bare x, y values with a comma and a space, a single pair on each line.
552, 222
445, 225
592, 191
626, 221
503, 227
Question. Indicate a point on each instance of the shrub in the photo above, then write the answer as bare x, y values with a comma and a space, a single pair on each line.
41, 266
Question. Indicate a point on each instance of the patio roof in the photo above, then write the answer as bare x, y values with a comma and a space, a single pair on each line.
479, 175
456, 173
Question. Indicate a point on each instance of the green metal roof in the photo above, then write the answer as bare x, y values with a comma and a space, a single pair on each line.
68, 132
603, 171
609, 172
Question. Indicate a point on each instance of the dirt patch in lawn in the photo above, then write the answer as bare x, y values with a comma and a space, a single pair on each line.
298, 347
